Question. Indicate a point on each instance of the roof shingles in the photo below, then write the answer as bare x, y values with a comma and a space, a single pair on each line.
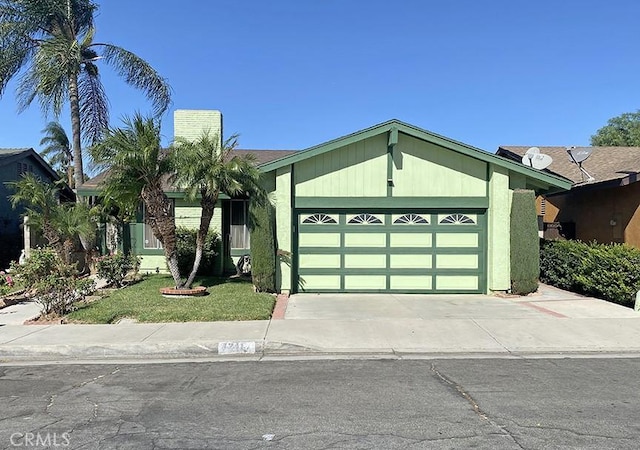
605, 163
261, 157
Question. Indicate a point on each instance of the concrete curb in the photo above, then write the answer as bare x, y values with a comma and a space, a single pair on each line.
270, 350
135, 351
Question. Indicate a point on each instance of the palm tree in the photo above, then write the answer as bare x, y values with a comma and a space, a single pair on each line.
53, 40
205, 168
59, 223
75, 220
137, 170
58, 149
41, 201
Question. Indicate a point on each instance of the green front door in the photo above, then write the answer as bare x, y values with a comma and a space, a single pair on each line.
391, 251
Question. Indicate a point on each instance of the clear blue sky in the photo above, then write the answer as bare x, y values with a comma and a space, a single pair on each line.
290, 74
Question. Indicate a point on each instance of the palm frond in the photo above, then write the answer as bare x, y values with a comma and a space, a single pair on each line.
47, 78
33, 193
94, 106
133, 158
25, 24
139, 74
205, 168
57, 148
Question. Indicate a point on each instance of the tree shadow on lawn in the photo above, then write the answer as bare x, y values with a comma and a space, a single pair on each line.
211, 281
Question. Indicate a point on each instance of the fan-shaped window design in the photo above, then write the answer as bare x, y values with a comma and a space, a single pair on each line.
410, 219
364, 219
457, 219
319, 218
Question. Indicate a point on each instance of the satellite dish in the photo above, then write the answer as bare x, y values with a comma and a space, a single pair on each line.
541, 161
578, 155
528, 156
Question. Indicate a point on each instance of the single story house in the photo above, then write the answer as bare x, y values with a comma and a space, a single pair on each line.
605, 209
391, 208
14, 162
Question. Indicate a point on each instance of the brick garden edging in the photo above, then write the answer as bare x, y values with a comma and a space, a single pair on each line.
282, 300
174, 292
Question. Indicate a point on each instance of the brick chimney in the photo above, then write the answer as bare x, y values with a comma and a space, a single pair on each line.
191, 123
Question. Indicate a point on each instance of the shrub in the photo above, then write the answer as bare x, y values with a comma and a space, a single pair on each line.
525, 252
186, 247
607, 271
611, 272
6, 283
560, 262
263, 249
114, 268
51, 282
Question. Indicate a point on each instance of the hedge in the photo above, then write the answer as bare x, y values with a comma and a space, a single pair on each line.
607, 271
525, 247
263, 248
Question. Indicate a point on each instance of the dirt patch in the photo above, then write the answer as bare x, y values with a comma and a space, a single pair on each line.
50, 319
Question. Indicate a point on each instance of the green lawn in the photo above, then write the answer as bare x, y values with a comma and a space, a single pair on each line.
228, 299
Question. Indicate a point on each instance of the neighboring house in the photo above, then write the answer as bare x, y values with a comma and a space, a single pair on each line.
606, 209
14, 162
392, 208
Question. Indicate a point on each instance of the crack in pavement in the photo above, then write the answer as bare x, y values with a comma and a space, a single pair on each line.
566, 430
52, 397
492, 336
476, 407
84, 383
347, 437
51, 400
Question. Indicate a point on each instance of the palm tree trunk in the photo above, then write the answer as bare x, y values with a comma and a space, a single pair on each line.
70, 175
208, 206
196, 263
53, 239
160, 218
172, 262
68, 248
74, 105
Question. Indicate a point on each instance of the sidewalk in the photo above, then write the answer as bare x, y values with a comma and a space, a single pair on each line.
550, 323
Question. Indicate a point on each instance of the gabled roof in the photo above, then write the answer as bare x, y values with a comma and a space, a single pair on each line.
10, 155
609, 165
552, 182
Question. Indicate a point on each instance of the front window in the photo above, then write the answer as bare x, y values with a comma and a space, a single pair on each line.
150, 240
239, 220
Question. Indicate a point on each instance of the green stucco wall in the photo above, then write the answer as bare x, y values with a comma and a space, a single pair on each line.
499, 275
284, 211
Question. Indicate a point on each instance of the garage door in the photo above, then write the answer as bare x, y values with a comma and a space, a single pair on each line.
391, 251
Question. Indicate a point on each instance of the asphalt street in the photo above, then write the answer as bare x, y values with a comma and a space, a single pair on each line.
350, 404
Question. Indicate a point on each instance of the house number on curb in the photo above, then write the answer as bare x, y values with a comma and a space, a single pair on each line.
227, 348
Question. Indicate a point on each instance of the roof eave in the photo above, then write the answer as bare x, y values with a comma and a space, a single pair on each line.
553, 182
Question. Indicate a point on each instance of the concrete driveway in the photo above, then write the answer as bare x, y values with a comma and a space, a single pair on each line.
549, 302
551, 321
